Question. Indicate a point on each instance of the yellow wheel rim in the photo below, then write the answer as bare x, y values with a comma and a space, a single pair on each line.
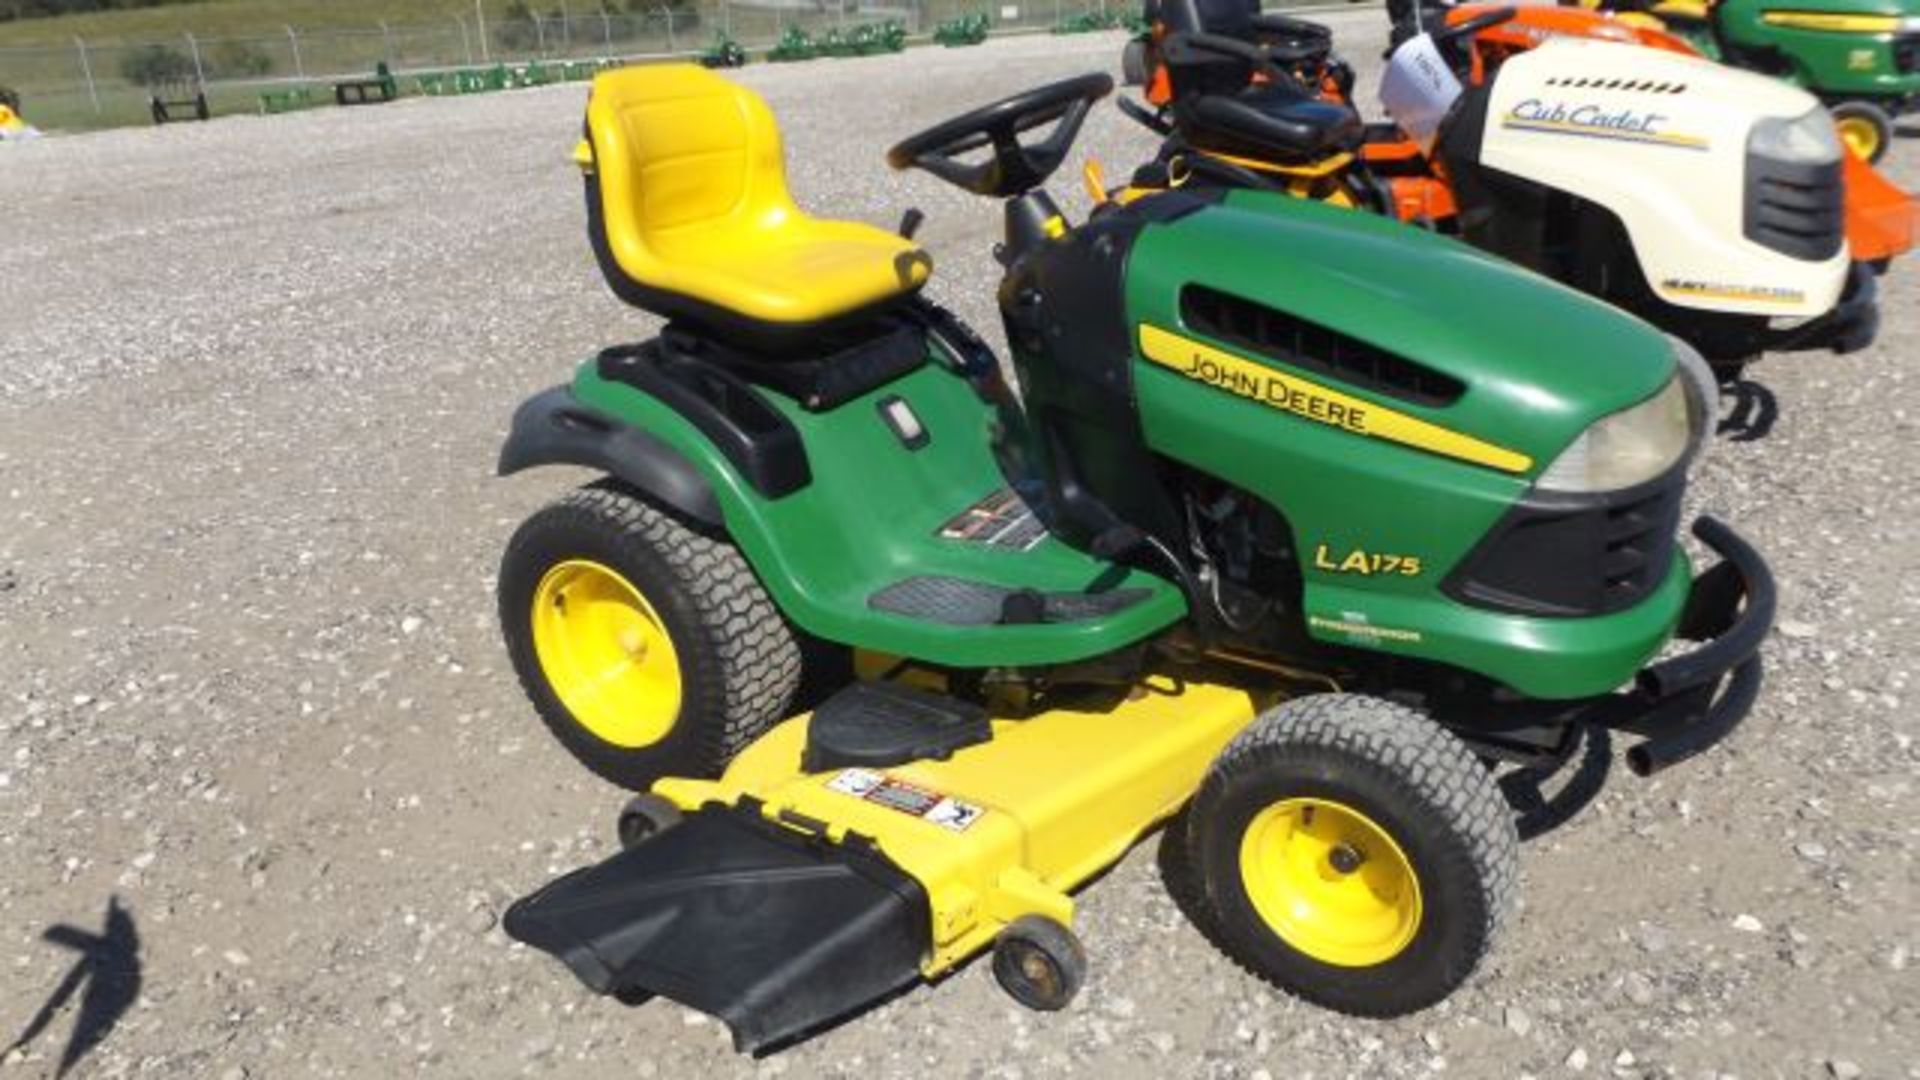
605, 652
1861, 135
1330, 881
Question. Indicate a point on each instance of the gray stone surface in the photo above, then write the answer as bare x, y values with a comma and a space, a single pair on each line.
253, 375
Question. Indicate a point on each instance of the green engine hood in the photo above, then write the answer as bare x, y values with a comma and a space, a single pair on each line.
1386, 492
1753, 8
1539, 361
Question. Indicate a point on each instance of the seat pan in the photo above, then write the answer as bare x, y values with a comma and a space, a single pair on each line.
691, 216
796, 269
1695, 11
1269, 122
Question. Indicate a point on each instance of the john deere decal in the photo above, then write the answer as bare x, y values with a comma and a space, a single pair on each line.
1596, 122
1309, 400
1357, 626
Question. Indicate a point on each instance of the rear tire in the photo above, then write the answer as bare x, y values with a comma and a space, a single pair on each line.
648, 649
1866, 128
1352, 852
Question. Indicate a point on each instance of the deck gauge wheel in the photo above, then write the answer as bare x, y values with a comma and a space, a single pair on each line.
1039, 963
645, 816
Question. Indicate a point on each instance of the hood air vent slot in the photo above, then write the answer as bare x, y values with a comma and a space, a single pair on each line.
1295, 341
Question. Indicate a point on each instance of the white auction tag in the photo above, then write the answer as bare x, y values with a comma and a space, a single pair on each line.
1418, 89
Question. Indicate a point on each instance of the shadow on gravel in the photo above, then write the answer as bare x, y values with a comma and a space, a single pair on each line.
1754, 410
1574, 788
108, 967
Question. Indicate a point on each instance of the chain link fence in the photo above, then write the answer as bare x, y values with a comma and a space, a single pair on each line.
91, 85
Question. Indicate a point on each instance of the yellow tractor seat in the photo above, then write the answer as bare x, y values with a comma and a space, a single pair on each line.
688, 206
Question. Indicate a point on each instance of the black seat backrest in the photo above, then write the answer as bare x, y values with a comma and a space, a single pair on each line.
1208, 73
1233, 18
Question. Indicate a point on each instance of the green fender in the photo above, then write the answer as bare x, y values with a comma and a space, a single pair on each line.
869, 514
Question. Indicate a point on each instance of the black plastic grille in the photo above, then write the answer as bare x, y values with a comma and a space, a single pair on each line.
1575, 555
1906, 53
1296, 341
1795, 209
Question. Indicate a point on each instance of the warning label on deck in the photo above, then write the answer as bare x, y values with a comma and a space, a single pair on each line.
906, 798
1000, 520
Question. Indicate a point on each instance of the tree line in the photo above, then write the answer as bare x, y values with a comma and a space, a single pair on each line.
518, 13
39, 9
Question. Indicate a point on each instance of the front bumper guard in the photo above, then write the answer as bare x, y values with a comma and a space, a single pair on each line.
1684, 704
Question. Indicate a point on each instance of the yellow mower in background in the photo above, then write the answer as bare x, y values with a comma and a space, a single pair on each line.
13, 126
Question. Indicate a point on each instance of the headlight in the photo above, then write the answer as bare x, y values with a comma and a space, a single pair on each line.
1910, 24
1703, 393
1629, 447
1805, 140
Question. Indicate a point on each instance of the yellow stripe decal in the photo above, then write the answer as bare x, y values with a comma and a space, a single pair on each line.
1288, 392
1837, 22
1735, 292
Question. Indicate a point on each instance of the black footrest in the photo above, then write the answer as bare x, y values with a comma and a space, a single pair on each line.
960, 602
874, 725
773, 932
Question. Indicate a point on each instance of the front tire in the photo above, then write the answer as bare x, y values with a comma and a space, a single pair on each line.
648, 649
1135, 67
1865, 127
1352, 852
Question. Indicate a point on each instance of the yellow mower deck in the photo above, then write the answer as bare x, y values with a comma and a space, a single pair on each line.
784, 899
1008, 827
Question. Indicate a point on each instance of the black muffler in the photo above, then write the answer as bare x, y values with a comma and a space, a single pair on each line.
777, 933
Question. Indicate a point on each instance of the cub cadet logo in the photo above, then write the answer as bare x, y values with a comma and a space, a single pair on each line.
1595, 122
1323, 405
1366, 563
1759, 294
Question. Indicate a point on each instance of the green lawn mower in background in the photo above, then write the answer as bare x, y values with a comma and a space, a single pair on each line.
1300, 525
1860, 57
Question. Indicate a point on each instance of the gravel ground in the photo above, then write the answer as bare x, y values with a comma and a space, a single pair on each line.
252, 380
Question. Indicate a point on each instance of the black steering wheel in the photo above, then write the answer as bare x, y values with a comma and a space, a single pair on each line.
1015, 167
1470, 27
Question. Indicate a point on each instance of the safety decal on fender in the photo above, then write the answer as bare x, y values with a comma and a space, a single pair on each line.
1001, 519
1290, 393
908, 799
1595, 122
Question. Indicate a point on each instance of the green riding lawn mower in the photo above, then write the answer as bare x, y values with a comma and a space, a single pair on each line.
1861, 57
1300, 525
